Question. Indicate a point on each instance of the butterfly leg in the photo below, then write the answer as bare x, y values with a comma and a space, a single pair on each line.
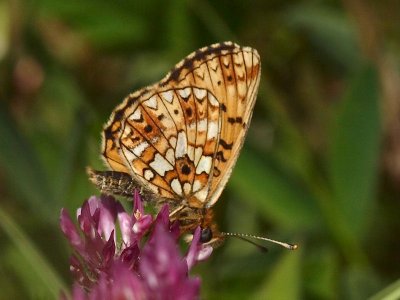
177, 210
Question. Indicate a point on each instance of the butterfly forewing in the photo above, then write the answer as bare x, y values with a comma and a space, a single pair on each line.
231, 73
181, 137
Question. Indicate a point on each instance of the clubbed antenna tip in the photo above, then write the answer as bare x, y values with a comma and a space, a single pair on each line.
245, 237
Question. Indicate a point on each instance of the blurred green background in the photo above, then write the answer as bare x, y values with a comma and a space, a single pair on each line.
320, 165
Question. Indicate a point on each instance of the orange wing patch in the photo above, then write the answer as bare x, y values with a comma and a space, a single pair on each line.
181, 137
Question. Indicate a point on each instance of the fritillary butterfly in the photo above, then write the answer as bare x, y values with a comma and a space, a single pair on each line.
178, 140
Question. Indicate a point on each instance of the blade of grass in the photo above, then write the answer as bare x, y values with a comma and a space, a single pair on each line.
325, 27
21, 166
276, 195
284, 279
66, 167
354, 152
37, 260
391, 292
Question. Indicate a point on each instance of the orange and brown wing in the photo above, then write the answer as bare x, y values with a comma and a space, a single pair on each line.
181, 137
166, 139
231, 74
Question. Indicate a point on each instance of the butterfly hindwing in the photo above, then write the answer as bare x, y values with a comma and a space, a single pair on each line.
181, 137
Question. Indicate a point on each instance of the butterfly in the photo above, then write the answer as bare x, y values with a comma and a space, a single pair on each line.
179, 139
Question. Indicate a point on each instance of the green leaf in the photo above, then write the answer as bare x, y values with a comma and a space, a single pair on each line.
71, 150
35, 261
5, 25
180, 35
106, 25
284, 281
321, 268
274, 193
391, 292
358, 282
22, 167
354, 152
290, 150
328, 30
211, 20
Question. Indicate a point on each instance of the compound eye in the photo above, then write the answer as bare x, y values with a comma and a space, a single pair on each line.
206, 235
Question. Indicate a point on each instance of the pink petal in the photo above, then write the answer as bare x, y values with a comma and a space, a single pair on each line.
69, 229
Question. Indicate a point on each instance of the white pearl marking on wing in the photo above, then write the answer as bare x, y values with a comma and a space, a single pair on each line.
136, 116
160, 164
138, 150
181, 145
202, 195
197, 154
170, 156
129, 155
213, 100
204, 165
199, 93
168, 96
196, 185
185, 93
212, 130
187, 187
172, 141
202, 125
148, 175
176, 186
191, 152
151, 102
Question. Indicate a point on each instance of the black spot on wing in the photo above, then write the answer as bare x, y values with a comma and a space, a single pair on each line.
235, 120
108, 134
118, 115
216, 172
189, 112
225, 145
185, 169
220, 156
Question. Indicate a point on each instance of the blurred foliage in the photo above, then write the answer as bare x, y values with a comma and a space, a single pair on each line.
320, 166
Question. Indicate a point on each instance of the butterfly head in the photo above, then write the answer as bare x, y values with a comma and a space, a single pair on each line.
208, 237
191, 218
209, 230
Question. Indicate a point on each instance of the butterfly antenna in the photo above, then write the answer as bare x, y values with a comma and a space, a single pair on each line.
246, 237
